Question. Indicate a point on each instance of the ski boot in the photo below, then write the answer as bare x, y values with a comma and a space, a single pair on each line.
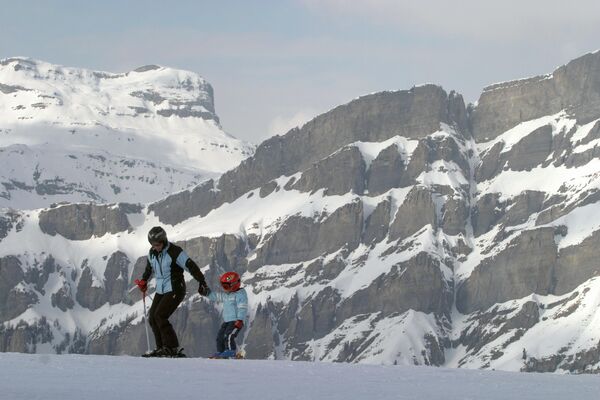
154, 353
172, 352
224, 355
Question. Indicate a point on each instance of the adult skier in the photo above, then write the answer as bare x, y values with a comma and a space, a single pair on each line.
167, 262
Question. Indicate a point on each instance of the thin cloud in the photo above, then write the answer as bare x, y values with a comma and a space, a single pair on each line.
473, 19
282, 124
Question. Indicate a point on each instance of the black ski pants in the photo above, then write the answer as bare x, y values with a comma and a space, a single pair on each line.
162, 307
226, 337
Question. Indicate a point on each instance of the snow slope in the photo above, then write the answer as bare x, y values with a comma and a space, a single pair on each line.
71, 377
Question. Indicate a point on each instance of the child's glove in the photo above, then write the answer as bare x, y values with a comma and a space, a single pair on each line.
203, 289
239, 324
142, 284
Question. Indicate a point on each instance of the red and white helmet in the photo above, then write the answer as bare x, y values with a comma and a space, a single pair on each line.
230, 281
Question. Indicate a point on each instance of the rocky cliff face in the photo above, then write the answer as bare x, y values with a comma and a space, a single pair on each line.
574, 87
398, 228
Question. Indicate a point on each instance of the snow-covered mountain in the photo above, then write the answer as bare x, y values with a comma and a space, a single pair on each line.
401, 228
70, 134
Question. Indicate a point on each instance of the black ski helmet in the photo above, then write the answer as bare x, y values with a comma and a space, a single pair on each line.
157, 235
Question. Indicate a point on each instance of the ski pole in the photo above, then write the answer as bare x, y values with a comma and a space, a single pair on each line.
146, 322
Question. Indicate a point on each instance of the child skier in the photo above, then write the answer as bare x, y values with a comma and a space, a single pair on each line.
235, 308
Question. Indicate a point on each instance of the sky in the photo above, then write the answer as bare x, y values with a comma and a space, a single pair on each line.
275, 64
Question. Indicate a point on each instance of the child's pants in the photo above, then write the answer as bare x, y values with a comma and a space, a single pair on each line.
226, 336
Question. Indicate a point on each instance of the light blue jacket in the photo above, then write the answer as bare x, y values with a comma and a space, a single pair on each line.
235, 304
168, 266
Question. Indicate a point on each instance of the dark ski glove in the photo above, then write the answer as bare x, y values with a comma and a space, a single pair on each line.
239, 324
203, 289
142, 284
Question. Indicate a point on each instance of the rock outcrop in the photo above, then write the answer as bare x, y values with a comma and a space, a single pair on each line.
82, 221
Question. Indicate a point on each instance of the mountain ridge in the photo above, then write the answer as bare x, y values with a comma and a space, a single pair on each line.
392, 235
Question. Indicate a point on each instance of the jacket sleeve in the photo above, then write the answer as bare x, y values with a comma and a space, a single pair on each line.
185, 262
148, 271
242, 304
215, 296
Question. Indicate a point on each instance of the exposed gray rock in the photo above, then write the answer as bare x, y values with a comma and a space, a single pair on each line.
377, 224
419, 162
262, 338
116, 278
576, 160
485, 327
491, 163
145, 68
434, 354
137, 272
38, 274
124, 338
447, 149
575, 87
525, 266
318, 271
82, 221
386, 171
592, 135
302, 238
352, 348
8, 89
89, 295
63, 298
528, 153
267, 189
431, 149
417, 211
11, 275
315, 319
531, 151
523, 206
454, 216
548, 364
72, 343
8, 221
561, 207
576, 264
23, 337
148, 95
580, 362
188, 203
416, 284
338, 174
18, 300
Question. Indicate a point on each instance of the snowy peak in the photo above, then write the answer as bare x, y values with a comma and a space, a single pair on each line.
44, 90
157, 126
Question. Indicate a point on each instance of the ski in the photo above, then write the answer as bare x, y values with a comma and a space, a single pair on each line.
226, 355
165, 353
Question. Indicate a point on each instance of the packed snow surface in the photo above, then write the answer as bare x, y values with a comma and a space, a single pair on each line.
66, 377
